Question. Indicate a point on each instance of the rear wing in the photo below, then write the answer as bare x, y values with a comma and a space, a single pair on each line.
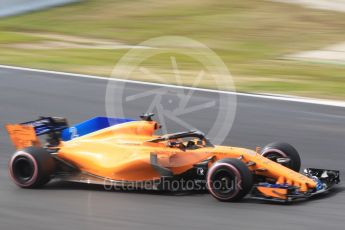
26, 134
56, 129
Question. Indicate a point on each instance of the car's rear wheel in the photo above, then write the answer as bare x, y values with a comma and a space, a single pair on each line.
279, 150
229, 180
31, 167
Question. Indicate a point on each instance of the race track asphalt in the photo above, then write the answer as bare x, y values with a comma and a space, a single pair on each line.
317, 131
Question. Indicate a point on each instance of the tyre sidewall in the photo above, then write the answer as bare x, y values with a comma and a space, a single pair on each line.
243, 178
43, 167
285, 150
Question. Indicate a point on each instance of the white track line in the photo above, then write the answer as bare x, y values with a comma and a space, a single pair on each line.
265, 96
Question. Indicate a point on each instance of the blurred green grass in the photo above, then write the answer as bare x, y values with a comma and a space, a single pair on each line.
251, 36
12, 37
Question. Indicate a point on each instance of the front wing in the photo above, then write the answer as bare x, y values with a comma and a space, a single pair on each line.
325, 179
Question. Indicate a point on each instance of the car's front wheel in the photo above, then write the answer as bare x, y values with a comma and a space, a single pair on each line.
229, 180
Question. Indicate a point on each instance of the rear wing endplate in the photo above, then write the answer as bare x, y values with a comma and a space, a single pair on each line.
22, 136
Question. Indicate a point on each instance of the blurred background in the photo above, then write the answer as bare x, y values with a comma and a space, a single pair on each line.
294, 47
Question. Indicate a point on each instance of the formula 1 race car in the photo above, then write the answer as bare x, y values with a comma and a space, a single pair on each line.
125, 153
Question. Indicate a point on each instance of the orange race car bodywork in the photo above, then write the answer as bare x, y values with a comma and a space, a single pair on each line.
131, 152
123, 153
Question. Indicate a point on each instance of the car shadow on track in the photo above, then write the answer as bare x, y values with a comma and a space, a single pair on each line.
62, 185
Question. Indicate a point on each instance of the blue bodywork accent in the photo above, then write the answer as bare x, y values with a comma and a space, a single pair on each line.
89, 126
45, 125
319, 184
268, 185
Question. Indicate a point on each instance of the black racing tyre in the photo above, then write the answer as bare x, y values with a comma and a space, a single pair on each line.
277, 150
31, 167
229, 180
